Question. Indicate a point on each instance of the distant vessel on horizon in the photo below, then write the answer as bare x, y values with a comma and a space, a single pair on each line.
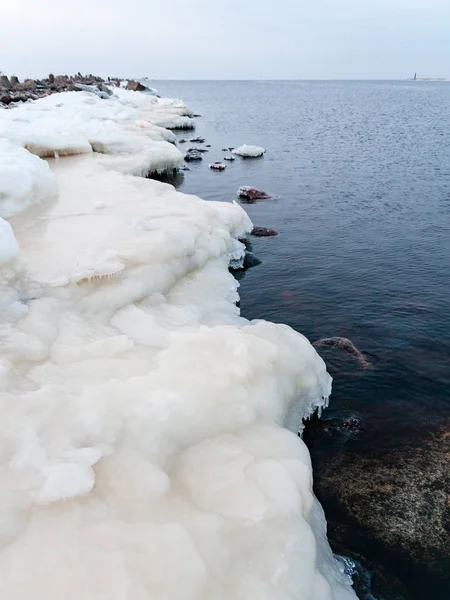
415, 78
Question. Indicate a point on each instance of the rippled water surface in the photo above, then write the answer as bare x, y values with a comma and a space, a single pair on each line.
362, 175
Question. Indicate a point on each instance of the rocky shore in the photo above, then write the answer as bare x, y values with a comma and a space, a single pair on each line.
13, 91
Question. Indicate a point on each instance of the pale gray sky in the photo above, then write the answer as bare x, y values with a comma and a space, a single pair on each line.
227, 39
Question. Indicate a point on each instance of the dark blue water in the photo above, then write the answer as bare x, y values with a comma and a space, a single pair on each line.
362, 175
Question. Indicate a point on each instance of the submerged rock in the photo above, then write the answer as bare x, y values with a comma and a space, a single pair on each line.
392, 504
202, 150
182, 141
346, 345
263, 232
197, 140
251, 194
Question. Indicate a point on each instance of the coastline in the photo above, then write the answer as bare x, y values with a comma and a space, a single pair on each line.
127, 356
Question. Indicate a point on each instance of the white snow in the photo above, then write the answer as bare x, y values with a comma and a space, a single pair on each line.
247, 151
143, 451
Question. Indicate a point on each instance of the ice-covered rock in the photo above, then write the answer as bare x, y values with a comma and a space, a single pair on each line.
247, 151
246, 192
263, 232
217, 166
193, 155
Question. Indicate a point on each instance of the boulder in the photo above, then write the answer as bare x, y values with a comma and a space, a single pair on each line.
194, 149
193, 155
197, 140
4, 82
230, 158
14, 81
5, 99
251, 194
135, 86
218, 166
263, 232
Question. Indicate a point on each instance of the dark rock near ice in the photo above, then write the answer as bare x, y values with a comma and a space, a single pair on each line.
207, 145
135, 86
224, 149
51, 78
14, 81
196, 116
185, 168
182, 141
194, 149
346, 345
5, 99
263, 232
251, 194
218, 166
4, 82
197, 140
193, 155
230, 149
230, 158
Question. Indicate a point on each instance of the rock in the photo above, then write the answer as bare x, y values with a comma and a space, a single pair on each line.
193, 155
51, 78
4, 82
230, 149
29, 84
224, 149
196, 116
14, 81
194, 149
346, 345
135, 86
5, 99
207, 145
263, 232
247, 151
392, 504
230, 158
251, 194
197, 140
182, 141
218, 166
185, 168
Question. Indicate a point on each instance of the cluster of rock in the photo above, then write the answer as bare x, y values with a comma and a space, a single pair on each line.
12, 90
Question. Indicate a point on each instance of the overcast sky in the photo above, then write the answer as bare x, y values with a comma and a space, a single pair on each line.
227, 39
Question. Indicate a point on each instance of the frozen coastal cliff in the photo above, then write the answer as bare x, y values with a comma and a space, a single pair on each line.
144, 451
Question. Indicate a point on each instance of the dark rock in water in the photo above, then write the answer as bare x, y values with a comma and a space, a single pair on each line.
193, 155
182, 141
263, 232
185, 168
202, 150
207, 145
251, 194
217, 166
197, 140
392, 505
230, 158
196, 116
231, 149
224, 149
346, 345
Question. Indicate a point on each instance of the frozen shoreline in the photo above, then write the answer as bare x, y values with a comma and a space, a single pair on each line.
141, 412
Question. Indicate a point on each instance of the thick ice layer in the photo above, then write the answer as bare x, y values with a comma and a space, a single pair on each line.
247, 151
143, 451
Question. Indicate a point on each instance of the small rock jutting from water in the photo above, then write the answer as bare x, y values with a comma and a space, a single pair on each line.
182, 141
198, 140
246, 192
346, 345
207, 145
230, 158
193, 149
224, 149
218, 166
193, 155
263, 232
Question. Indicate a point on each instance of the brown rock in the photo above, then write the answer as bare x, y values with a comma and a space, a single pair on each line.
263, 232
14, 81
135, 86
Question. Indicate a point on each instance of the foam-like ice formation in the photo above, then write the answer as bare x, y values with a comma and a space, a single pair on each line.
247, 151
25, 180
143, 453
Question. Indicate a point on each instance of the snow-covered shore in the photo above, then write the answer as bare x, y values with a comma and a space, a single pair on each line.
143, 450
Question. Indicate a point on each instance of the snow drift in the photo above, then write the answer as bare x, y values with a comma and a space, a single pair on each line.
143, 451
